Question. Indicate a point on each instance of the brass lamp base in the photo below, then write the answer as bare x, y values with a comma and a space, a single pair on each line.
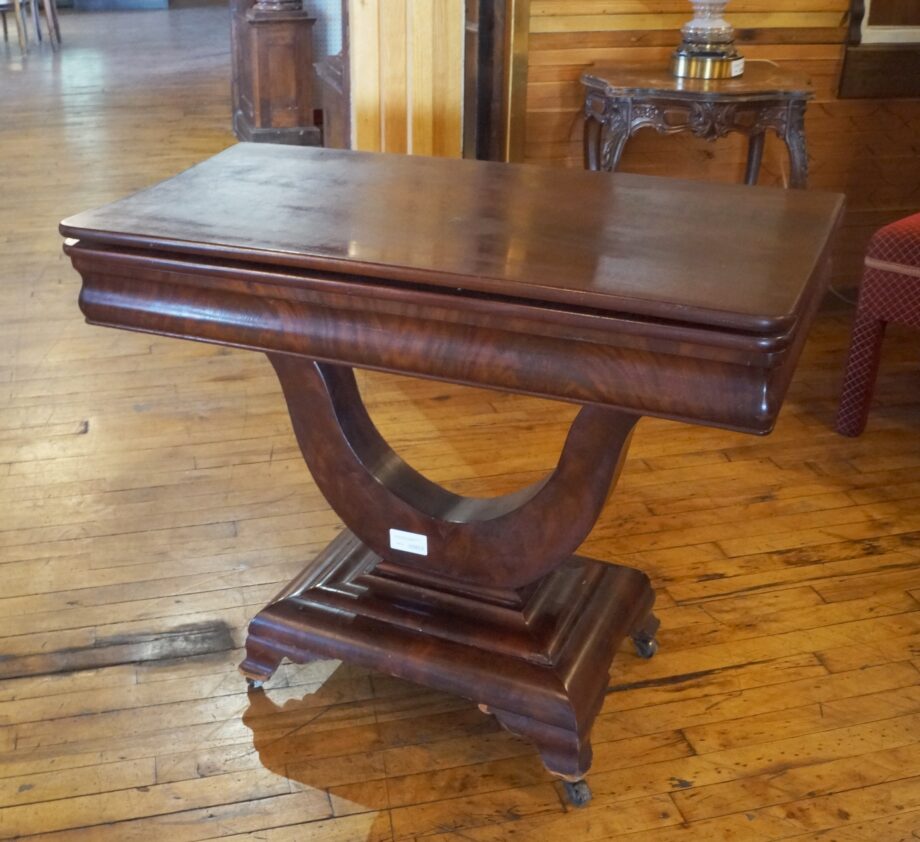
703, 64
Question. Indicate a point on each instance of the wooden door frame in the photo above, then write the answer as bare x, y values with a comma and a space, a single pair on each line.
880, 71
495, 79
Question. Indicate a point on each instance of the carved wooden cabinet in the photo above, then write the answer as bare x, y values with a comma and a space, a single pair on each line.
273, 77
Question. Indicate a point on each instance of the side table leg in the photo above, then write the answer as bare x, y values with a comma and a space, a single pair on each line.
592, 143
615, 133
795, 142
754, 157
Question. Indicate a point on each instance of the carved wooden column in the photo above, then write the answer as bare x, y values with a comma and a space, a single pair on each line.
273, 81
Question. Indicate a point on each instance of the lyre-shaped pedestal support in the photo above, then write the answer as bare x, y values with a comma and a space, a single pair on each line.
486, 601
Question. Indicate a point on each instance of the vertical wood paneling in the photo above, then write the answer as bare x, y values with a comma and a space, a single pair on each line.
393, 77
421, 17
409, 57
364, 27
447, 91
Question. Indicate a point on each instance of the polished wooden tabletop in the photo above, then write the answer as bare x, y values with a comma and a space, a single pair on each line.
761, 79
725, 256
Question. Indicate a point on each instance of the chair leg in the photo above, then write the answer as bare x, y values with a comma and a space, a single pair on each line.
54, 31
861, 371
21, 29
57, 24
36, 20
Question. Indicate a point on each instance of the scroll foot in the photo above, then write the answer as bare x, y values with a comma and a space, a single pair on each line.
260, 663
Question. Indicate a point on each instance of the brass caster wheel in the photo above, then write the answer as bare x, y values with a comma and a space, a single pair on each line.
578, 793
645, 648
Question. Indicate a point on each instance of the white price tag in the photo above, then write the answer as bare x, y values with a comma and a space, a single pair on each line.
409, 542
737, 67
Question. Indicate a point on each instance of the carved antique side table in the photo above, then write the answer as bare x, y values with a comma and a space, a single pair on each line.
621, 100
599, 291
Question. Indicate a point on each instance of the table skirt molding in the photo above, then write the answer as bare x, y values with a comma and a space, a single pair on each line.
668, 370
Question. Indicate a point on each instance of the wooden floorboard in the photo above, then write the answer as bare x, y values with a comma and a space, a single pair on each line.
152, 498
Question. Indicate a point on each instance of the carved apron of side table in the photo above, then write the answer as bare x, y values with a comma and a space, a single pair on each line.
620, 102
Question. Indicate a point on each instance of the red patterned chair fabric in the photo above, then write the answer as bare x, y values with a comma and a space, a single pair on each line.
890, 292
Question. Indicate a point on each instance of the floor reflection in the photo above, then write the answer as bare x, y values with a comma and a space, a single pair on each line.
374, 743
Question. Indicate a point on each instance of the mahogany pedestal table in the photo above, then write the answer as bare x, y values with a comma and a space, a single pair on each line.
597, 290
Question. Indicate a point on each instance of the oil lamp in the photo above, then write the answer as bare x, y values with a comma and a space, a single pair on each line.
708, 47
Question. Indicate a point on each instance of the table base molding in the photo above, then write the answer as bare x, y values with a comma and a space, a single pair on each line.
541, 666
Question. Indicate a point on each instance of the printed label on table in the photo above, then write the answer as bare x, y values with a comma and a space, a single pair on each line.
737, 67
409, 542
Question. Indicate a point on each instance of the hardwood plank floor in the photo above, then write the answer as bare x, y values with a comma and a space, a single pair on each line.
152, 499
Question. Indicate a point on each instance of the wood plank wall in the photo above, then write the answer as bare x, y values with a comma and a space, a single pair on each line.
407, 76
869, 149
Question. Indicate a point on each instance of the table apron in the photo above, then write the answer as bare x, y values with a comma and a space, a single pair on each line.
667, 383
